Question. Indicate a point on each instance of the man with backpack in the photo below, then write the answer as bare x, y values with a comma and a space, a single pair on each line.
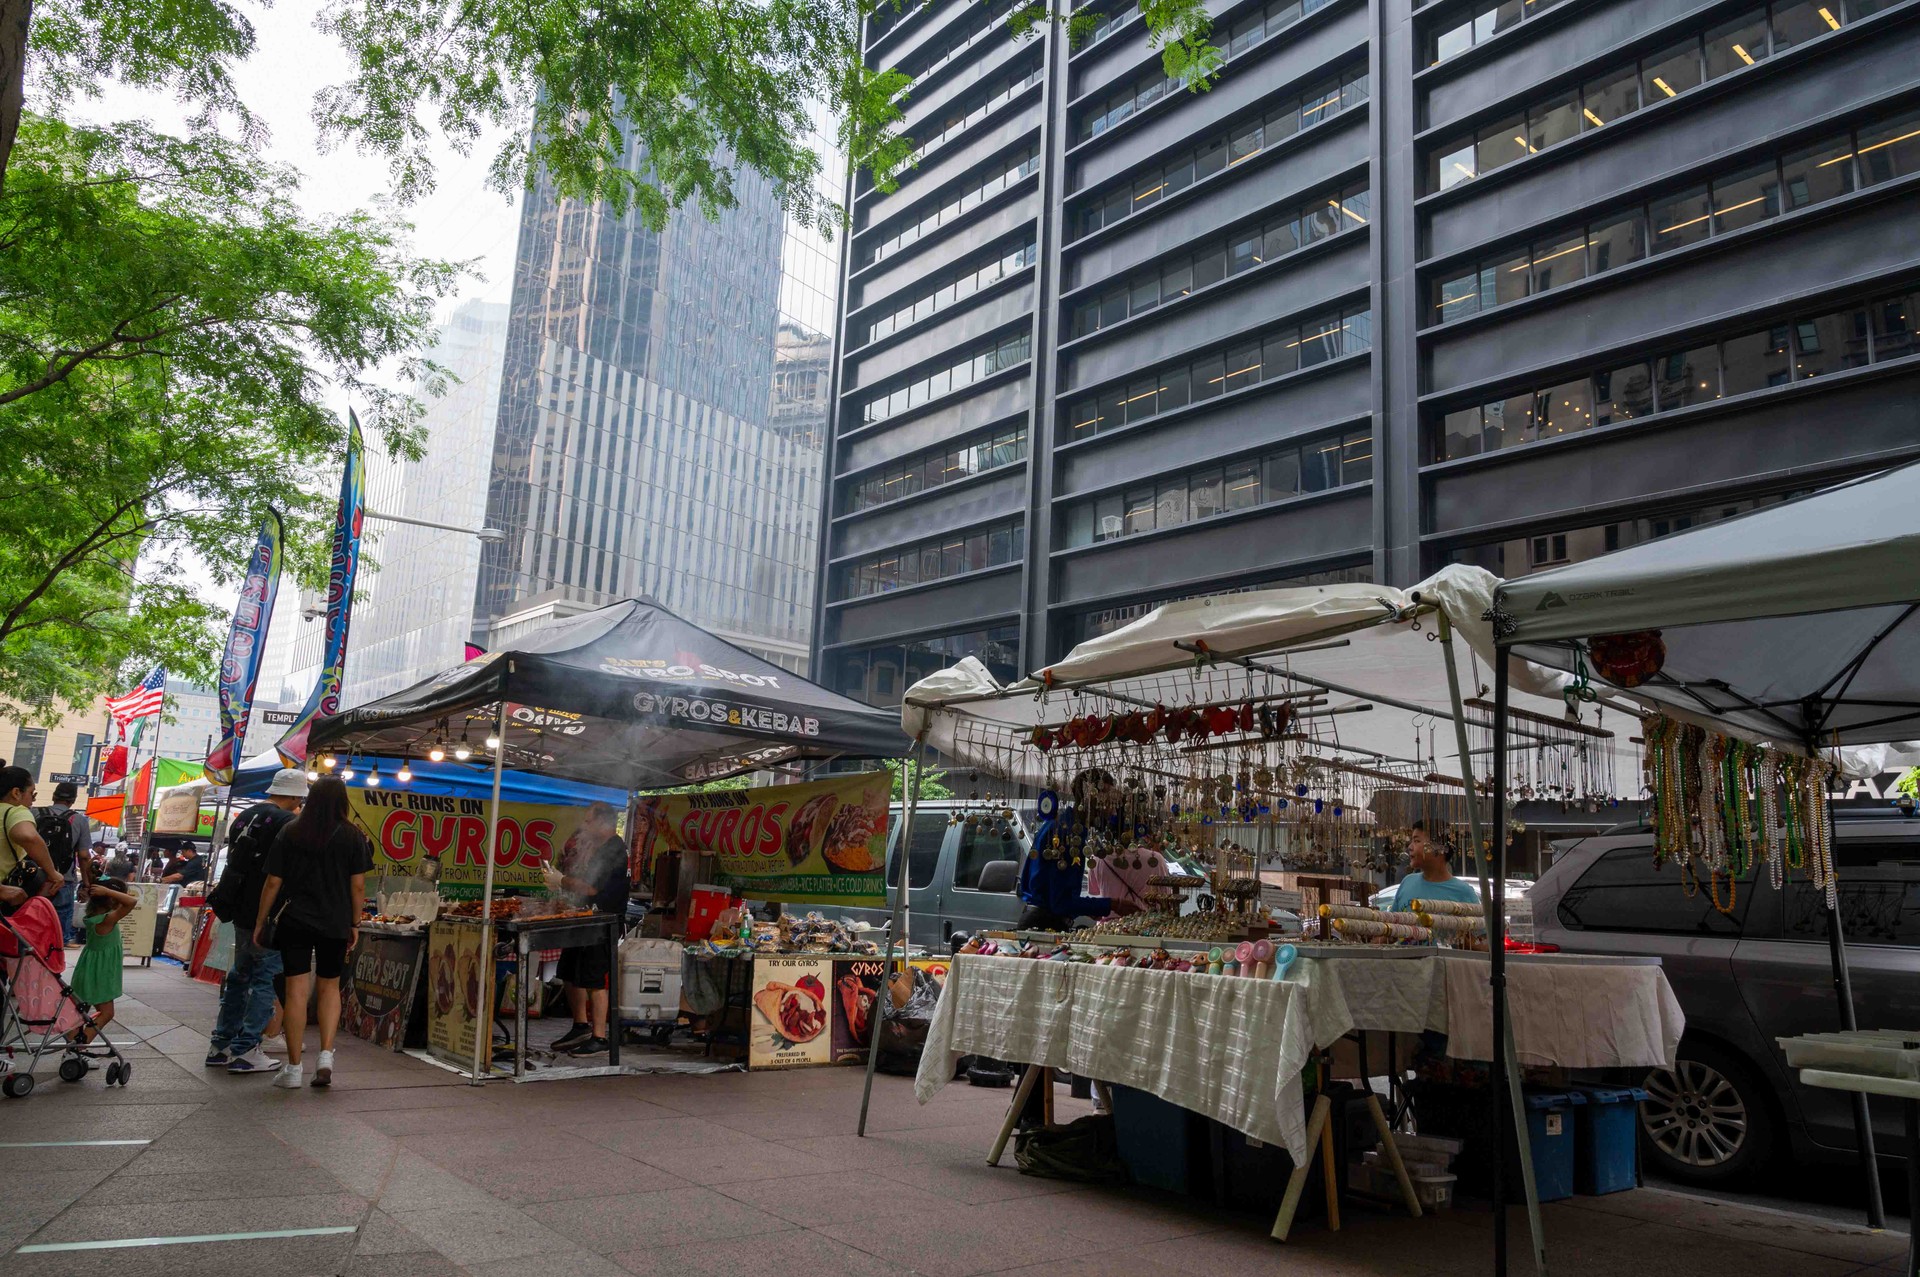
246, 995
66, 832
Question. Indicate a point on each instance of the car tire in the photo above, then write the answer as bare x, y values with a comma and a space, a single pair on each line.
1708, 1120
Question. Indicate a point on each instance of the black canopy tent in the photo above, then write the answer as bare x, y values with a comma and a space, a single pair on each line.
629, 696
1795, 626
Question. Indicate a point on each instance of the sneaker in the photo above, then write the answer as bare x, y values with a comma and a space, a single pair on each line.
288, 1078
323, 1074
254, 1061
573, 1037
591, 1046
218, 1058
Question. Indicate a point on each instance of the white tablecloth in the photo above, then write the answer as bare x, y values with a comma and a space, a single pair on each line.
1231, 1049
1585, 1015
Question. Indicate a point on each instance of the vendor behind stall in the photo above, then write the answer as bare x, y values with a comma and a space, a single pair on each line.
1055, 872
1432, 877
594, 869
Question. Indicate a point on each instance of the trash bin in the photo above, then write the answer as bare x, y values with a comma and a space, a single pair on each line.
1153, 1138
1607, 1152
1550, 1131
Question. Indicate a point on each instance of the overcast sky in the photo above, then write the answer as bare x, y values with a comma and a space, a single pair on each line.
462, 219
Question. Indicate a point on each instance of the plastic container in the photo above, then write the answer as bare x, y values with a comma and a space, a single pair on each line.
1607, 1147
1550, 1130
1434, 1191
650, 981
705, 908
1152, 1138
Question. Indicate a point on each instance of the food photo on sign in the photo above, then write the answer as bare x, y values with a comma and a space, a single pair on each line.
791, 1012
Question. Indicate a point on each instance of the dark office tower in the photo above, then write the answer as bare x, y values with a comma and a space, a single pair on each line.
1512, 282
659, 433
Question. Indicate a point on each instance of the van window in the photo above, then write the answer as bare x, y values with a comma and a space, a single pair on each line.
1625, 891
1879, 904
980, 847
923, 852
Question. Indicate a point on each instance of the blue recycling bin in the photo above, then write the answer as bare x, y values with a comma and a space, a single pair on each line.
1550, 1131
1607, 1156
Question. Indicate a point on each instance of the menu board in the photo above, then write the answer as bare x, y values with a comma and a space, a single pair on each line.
790, 1012
383, 976
459, 991
137, 928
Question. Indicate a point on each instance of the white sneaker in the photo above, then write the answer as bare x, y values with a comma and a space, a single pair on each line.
323, 1072
288, 1078
254, 1061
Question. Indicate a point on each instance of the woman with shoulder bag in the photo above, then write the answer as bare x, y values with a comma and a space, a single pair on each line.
26, 867
316, 880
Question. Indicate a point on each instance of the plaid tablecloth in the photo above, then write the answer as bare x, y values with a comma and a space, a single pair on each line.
1231, 1049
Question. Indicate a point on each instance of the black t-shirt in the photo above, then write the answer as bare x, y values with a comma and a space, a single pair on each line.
606, 868
190, 871
318, 885
254, 830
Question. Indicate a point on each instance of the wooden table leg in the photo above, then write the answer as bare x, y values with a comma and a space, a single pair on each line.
1046, 1098
1392, 1153
1330, 1176
1297, 1182
1020, 1094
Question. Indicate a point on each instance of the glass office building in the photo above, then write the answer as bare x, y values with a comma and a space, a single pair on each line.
660, 420
1511, 282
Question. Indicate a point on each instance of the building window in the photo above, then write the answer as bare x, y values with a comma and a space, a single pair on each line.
954, 290
1728, 47
937, 133
1746, 196
1480, 23
1821, 345
931, 469
1523, 555
958, 202
1008, 352
82, 754
30, 750
1229, 148
1275, 475
880, 674
1078, 627
1175, 277
1248, 362
954, 554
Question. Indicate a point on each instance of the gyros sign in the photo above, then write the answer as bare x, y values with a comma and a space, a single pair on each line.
695, 709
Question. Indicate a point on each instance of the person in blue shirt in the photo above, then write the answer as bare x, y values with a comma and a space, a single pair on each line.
1432, 877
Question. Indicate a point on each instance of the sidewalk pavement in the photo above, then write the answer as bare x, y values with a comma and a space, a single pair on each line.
403, 1171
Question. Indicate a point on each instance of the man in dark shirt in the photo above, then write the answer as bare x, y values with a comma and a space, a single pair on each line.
246, 994
186, 868
597, 874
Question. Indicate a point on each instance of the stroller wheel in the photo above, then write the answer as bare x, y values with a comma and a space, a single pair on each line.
113, 1073
126, 1071
17, 1085
73, 1068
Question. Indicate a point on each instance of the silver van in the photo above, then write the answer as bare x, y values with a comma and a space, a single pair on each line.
963, 874
1746, 974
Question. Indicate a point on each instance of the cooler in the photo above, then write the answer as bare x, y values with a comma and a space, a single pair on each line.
1608, 1145
650, 981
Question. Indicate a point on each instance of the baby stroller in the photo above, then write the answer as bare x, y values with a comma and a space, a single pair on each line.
38, 1009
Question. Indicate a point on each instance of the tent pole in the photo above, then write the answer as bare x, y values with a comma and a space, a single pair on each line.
1494, 905
1843, 990
910, 798
1504, 1096
483, 1043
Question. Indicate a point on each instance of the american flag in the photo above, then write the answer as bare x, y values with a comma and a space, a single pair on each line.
142, 702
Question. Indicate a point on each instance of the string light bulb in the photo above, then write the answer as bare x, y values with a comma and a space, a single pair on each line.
464, 750
493, 740
437, 753
373, 777
312, 775
328, 761
405, 774
346, 773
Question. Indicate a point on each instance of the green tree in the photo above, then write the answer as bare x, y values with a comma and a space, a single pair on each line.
703, 85
930, 781
172, 330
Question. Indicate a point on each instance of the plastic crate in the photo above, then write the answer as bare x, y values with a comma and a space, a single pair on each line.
1550, 1132
1466, 1114
1607, 1151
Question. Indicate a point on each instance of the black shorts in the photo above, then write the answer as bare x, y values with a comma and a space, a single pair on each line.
302, 949
586, 966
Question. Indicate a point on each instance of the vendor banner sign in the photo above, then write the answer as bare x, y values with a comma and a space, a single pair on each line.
820, 843
410, 829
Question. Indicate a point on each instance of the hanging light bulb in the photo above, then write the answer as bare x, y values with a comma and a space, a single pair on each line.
405, 774
312, 775
346, 773
328, 761
438, 752
373, 777
463, 751
493, 740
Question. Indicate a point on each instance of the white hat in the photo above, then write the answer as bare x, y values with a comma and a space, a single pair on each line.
288, 782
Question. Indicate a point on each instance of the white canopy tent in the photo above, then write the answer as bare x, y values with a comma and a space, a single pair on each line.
1793, 626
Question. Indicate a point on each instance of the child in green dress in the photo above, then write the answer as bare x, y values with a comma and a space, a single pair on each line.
97, 976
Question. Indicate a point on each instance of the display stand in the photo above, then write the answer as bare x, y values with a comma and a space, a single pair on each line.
529, 934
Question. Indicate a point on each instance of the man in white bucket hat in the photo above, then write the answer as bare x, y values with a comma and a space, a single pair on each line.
246, 994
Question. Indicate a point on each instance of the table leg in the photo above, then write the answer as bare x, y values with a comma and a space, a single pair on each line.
1046, 1099
1912, 1114
522, 948
1297, 1182
1392, 1152
1330, 1176
614, 1032
1020, 1094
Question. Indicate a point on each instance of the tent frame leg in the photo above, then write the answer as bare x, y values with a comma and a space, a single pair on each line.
483, 1042
1862, 1117
896, 932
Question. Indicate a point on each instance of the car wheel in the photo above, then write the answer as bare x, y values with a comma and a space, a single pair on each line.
1707, 1119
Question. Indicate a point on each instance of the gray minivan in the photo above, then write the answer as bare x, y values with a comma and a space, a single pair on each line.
962, 874
1744, 976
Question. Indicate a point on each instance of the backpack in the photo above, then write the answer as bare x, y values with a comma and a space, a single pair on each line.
246, 860
56, 830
